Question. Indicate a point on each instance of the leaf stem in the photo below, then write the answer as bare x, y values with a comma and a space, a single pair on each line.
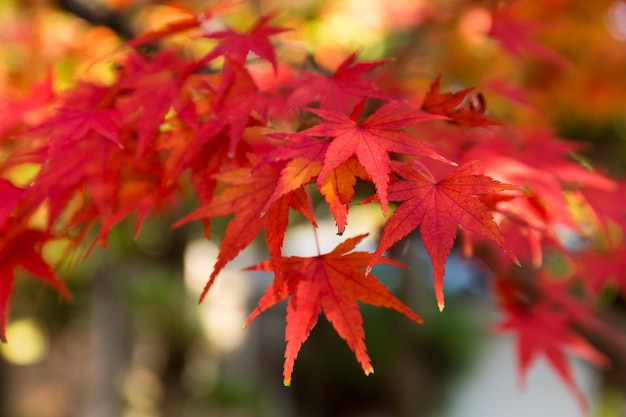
317, 241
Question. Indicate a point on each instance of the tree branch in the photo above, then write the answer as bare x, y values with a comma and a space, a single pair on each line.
99, 16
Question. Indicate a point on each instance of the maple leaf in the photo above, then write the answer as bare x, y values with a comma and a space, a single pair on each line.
235, 101
516, 35
447, 104
296, 173
331, 283
74, 124
236, 45
78, 144
542, 163
338, 190
204, 151
542, 331
246, 198
306, 156
89, 152
11, 195
18, 112
21, 248
598, 269
438, 207
334, 90
603, 204
371, 140
155, 85
543, 327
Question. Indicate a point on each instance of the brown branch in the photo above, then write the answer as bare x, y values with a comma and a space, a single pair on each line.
102, 16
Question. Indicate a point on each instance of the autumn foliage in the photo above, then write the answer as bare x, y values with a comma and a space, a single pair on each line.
256, 138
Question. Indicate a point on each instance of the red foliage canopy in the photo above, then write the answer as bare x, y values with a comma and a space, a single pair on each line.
169, 123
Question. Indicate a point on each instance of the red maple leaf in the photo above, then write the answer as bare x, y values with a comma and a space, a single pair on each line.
371, 140
447, 104
334, 91
517, 35
331, 282
236, 100
73, 125
11, 195
21, 248
542, 323
542, 163
438, 207
154, 87
598, 269
204, 151
87, 156
80, 162
246, 198
237, 46
603, 204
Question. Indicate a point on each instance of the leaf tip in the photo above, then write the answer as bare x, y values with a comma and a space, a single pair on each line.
369, 370
514, 258
287, 382
441, 305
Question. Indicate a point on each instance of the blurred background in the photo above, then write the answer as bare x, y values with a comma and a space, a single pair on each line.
135, 343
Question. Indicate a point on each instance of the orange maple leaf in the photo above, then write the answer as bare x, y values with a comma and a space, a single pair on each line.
306, 156
332, 282
338, 190
190, 20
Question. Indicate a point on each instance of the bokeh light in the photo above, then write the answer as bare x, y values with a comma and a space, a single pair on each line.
29, 342
616, 20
